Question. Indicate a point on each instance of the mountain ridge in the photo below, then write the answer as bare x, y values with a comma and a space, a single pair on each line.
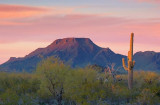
80, 52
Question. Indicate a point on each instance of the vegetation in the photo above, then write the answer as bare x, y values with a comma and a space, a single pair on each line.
55, 83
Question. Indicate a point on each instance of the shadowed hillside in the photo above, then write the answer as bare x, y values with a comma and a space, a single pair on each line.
77, 52
80, 52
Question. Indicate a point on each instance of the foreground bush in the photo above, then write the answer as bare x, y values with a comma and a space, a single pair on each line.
18, 88
55, 83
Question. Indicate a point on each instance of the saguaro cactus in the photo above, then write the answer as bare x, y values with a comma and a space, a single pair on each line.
131, 63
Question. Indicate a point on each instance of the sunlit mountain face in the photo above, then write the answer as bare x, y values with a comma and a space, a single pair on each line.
29, 24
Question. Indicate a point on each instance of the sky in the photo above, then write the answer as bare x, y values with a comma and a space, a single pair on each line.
26, 25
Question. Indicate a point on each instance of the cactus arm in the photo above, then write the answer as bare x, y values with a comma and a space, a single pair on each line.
124, 65
133, 64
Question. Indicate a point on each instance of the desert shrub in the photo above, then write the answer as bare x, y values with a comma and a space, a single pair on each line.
16, 88
146, 97
9, 97
56, 83
83, 87
144, 78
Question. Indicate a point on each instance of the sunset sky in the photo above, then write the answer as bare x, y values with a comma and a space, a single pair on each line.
26, 25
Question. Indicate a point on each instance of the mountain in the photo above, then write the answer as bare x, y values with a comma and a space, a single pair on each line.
78, 52
148, 60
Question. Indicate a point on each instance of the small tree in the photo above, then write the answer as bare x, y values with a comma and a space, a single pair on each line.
52, 73
110, 71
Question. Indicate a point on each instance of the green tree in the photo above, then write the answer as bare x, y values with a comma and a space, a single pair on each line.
52, 73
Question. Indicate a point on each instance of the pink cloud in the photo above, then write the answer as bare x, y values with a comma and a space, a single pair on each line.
114, 29
150, 1
61, 26
20, 11
145, 1
103, 30
16, 8
23, 11
35, 24
23, 15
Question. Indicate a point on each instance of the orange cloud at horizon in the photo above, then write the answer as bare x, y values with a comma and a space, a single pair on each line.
20, 11
25, 15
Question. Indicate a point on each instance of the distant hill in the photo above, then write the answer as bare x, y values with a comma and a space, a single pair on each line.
79, 52
148, 60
